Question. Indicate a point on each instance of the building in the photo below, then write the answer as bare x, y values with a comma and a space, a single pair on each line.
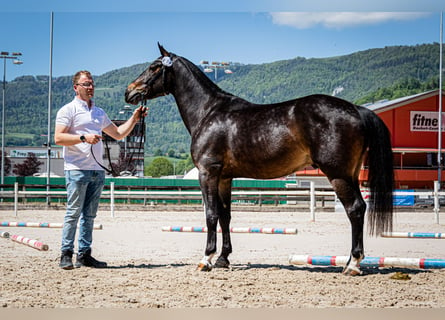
128, 152
18, 155
413, 123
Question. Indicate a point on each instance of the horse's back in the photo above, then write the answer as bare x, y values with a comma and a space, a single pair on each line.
267, 141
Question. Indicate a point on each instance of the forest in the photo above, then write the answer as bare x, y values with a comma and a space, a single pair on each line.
361, 77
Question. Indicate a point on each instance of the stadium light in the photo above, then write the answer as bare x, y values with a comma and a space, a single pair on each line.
214, 66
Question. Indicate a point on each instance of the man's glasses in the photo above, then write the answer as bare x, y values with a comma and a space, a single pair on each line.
86, 84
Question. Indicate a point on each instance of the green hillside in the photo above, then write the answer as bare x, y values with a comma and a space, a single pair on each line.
359, 77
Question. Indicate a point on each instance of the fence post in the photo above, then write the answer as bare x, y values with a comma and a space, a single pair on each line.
312, 202
436, 200
112, 198
16, 197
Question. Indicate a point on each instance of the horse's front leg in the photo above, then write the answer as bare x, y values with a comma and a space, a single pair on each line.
224, 215
209, 189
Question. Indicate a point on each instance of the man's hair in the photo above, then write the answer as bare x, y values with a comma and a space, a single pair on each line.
78, 74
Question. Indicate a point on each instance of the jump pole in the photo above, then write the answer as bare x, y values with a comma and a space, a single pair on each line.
4, 234
233, 230
418, 235
383, 262
29, 242
39, 224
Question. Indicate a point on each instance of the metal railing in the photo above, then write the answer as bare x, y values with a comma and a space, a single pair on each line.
255, 197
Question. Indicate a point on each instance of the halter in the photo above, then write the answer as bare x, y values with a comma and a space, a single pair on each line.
167, 63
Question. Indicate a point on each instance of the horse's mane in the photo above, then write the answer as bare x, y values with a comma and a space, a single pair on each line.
200, 75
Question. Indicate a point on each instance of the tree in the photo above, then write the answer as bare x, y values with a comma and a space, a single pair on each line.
160, 166
184, 165
158, 152
171, 153
28, 167
7, 166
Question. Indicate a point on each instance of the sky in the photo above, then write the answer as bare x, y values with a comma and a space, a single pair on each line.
102, 36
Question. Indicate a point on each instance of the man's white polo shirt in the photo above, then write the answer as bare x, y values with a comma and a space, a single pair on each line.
82, 120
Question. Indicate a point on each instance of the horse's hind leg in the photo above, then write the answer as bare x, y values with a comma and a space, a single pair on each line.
349, 194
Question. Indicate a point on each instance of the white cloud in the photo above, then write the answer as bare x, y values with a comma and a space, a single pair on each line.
305, 20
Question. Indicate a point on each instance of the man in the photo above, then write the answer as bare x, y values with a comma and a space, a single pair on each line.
79, 125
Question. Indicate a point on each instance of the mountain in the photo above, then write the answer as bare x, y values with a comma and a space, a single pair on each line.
359, 77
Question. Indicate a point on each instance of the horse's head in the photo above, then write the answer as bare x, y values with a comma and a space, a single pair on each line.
153, 82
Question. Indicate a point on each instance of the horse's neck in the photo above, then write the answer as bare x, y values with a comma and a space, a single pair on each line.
194, 95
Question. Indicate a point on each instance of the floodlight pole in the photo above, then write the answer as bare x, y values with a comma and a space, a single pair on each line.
439, 139
5, 55
48, 141
437, 186
214, 66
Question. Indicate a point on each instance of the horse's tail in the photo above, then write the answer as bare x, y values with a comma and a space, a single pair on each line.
380, 173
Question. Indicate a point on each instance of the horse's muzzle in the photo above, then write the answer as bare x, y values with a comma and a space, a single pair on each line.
133, 96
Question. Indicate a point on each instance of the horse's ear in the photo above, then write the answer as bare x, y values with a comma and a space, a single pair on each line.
164, 52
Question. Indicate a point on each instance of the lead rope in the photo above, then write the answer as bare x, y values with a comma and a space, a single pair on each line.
112, 170
141, 134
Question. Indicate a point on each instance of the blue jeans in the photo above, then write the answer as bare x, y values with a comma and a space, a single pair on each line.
84, 188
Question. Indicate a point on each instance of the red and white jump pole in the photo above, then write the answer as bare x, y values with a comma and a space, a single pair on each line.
29, 242
421, 263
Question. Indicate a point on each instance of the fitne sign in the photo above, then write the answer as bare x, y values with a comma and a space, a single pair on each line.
425, 121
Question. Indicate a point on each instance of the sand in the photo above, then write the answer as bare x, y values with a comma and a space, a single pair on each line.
149, 268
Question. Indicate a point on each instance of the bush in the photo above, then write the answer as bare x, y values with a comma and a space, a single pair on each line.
160, 166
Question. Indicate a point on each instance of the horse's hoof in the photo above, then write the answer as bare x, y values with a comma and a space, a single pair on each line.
352, 271
204, 267
222, 262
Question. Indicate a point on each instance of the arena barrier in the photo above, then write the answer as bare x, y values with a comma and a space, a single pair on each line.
418, 235
4, 234
233, 230
29, 242
258, 196
39, 225
421, 263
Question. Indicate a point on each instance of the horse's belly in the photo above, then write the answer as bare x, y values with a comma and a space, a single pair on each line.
258, 167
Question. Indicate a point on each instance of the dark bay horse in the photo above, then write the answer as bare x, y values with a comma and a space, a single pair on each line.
231, 137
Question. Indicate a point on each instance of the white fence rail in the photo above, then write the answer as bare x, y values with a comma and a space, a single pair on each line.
261, 195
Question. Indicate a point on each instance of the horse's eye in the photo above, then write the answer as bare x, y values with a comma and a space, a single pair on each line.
155, 68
